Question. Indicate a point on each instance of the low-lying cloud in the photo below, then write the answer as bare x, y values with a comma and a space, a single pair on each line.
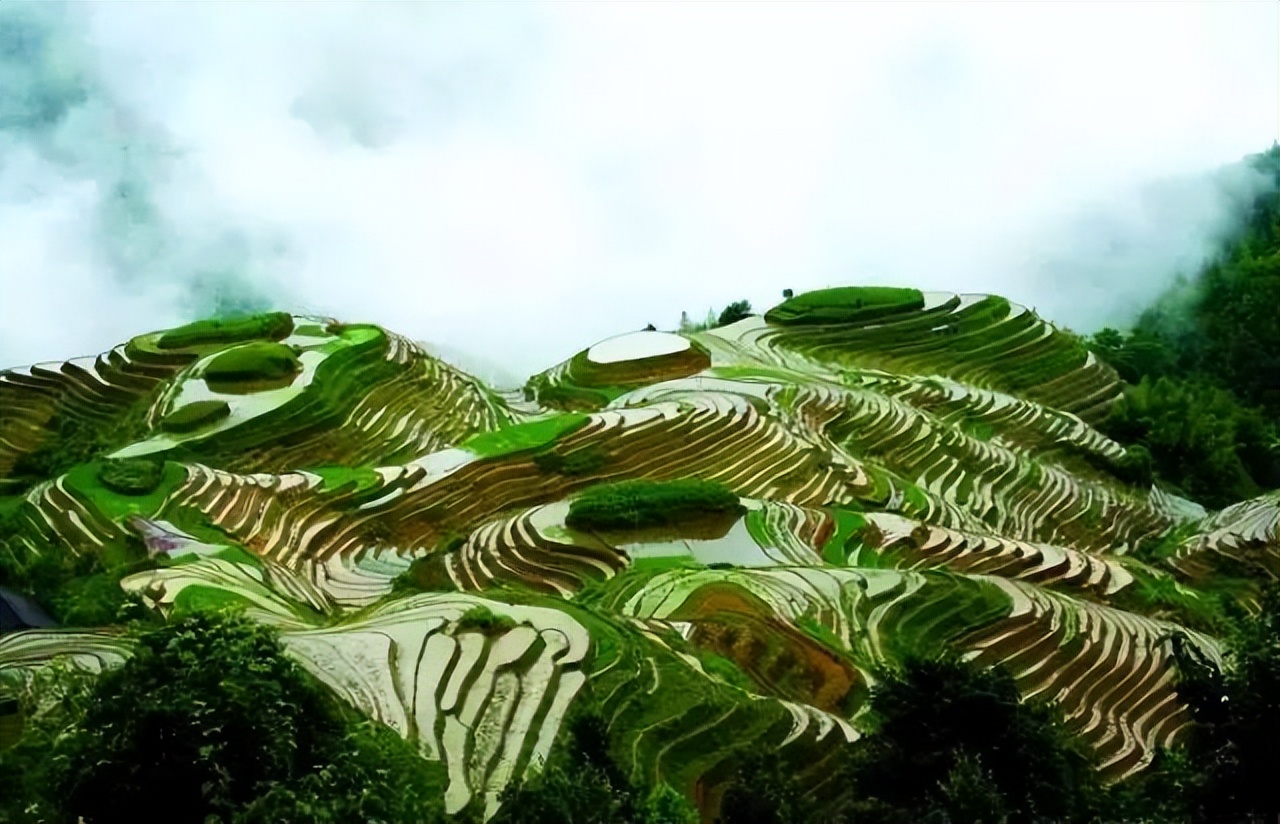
517, 181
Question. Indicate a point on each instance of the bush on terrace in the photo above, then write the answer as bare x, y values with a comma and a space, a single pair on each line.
637, 504
252, 362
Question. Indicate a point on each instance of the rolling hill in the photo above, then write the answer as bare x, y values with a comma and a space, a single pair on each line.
904, 472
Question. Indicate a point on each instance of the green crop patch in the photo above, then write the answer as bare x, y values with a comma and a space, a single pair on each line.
845, 304
521, 437
196, 415
847, 526
358, 478
201, 597
639, 504
269, 326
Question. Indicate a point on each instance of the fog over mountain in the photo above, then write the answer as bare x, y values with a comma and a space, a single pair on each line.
509, 180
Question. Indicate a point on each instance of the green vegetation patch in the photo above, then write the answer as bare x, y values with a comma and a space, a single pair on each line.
582, 461
638, 504
269, 326
333, 478
195, 416
130, 476
75, 589
484, 620
846, 304
201, 598
531, 435
212, 716
86, 481
253, 363
848, 525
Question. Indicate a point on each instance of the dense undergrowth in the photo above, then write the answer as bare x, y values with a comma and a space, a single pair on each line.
210, 720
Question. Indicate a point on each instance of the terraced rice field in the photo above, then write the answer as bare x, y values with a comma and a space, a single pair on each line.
920, 477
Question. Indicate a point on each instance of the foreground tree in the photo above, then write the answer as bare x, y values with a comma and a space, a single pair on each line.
734, 312
208, 721
955, 742
582, 783
1234, 748
950, 743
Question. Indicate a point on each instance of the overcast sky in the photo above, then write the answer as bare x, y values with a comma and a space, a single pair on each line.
517, 181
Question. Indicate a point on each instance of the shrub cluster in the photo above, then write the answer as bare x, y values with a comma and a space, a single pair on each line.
194, 416
252, 362
271, 326
734, 312
211, 720
73, 440
582, 461
75, 589
130, 476
484, 620
637, 504
845, 304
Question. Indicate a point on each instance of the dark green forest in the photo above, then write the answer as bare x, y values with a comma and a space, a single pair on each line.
1203, 363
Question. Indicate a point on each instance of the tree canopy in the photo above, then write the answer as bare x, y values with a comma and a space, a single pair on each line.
209, 721
1204, 363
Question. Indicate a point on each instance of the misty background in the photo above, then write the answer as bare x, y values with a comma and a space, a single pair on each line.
512, 182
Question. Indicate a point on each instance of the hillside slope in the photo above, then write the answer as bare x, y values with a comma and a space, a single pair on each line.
910, 471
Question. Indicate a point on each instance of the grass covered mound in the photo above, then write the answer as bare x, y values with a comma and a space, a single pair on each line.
194, 416
268, 326
639, 504
845, 304
252, 363
130, 476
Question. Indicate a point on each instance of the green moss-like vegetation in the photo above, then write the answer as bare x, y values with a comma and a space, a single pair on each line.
846, 304
130, 476
252, 362
195, 416
638, 504
484, 620
531, 435
724, 669
269, 326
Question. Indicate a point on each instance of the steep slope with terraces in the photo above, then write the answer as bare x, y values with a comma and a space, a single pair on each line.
912, 471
